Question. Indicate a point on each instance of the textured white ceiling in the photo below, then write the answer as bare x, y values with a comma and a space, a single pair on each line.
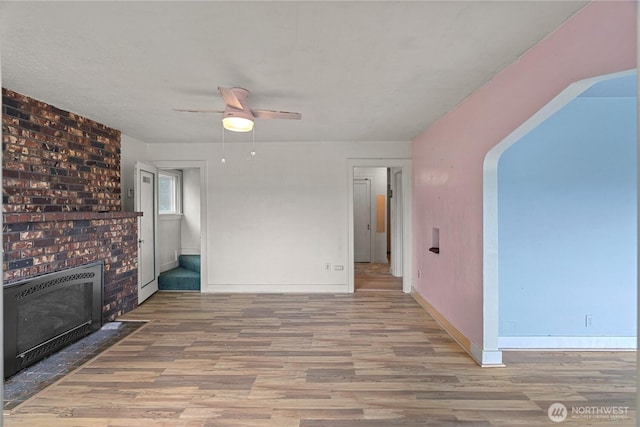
357, 71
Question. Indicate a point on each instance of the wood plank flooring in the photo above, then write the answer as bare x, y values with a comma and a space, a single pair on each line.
378, 283
366, 359
375, 277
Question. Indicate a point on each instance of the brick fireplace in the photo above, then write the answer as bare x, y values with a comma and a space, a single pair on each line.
61, 199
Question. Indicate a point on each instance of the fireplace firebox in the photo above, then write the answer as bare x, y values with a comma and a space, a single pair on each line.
45, 313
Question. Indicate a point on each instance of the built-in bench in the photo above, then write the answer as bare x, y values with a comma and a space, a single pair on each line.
185, 277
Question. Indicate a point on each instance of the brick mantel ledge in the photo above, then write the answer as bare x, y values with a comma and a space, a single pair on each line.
13, 218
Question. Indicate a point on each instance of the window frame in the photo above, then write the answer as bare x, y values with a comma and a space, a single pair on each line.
176, 176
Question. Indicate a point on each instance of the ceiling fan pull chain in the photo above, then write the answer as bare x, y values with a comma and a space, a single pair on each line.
223, 160
253, 142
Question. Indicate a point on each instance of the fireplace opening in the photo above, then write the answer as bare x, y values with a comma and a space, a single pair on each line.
46, 313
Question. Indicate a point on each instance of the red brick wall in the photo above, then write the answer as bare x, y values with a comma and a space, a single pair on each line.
61, 199
56, 161
39, 243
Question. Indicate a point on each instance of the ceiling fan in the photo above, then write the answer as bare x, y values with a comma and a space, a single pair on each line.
237, 116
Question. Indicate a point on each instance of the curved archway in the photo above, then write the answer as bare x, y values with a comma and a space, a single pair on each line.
491, 206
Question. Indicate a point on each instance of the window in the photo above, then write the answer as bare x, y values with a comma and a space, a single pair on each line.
170, 192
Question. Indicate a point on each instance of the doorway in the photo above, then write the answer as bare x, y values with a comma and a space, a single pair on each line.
372, 194
400, 217
192, 230
494, 322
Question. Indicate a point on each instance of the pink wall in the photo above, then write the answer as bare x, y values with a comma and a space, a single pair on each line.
448, 157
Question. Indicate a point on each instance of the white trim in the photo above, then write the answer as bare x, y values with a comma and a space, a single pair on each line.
168, 266
568, 343
190, 251
202, 166
405, 165
170, 217
490, 203
396, 224
485, 358
271, 288
176, 175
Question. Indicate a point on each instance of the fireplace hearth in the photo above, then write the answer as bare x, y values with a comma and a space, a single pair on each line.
46, 313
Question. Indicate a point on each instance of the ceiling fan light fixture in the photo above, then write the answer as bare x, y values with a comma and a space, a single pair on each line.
237, 121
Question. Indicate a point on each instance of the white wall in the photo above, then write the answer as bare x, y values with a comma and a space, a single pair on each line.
132, 151
190, 224
378, 177
169, 241
275, 220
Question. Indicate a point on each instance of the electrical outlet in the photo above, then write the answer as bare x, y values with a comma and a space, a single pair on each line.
338, 267
419, 273
588, 320
327, 266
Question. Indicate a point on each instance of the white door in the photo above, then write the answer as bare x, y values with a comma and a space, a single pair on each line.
146, 191
362, 220
396, 224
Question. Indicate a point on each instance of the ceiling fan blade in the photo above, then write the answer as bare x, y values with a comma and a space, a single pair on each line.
187, 110
230, 98
271, 114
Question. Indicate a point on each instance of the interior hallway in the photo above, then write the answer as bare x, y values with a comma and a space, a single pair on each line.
375, 277
297, 360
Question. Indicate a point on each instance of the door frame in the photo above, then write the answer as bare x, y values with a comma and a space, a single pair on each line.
405, 166
397, 224
141, 166
201, 165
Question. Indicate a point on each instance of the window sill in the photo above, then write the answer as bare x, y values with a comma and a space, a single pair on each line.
170, 217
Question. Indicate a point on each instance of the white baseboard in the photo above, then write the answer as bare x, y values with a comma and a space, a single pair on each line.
486, 358
190, 251
168, 266
568, 343
279, 288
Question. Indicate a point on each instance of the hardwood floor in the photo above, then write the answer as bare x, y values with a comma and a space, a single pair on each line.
375, 277
365, 359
